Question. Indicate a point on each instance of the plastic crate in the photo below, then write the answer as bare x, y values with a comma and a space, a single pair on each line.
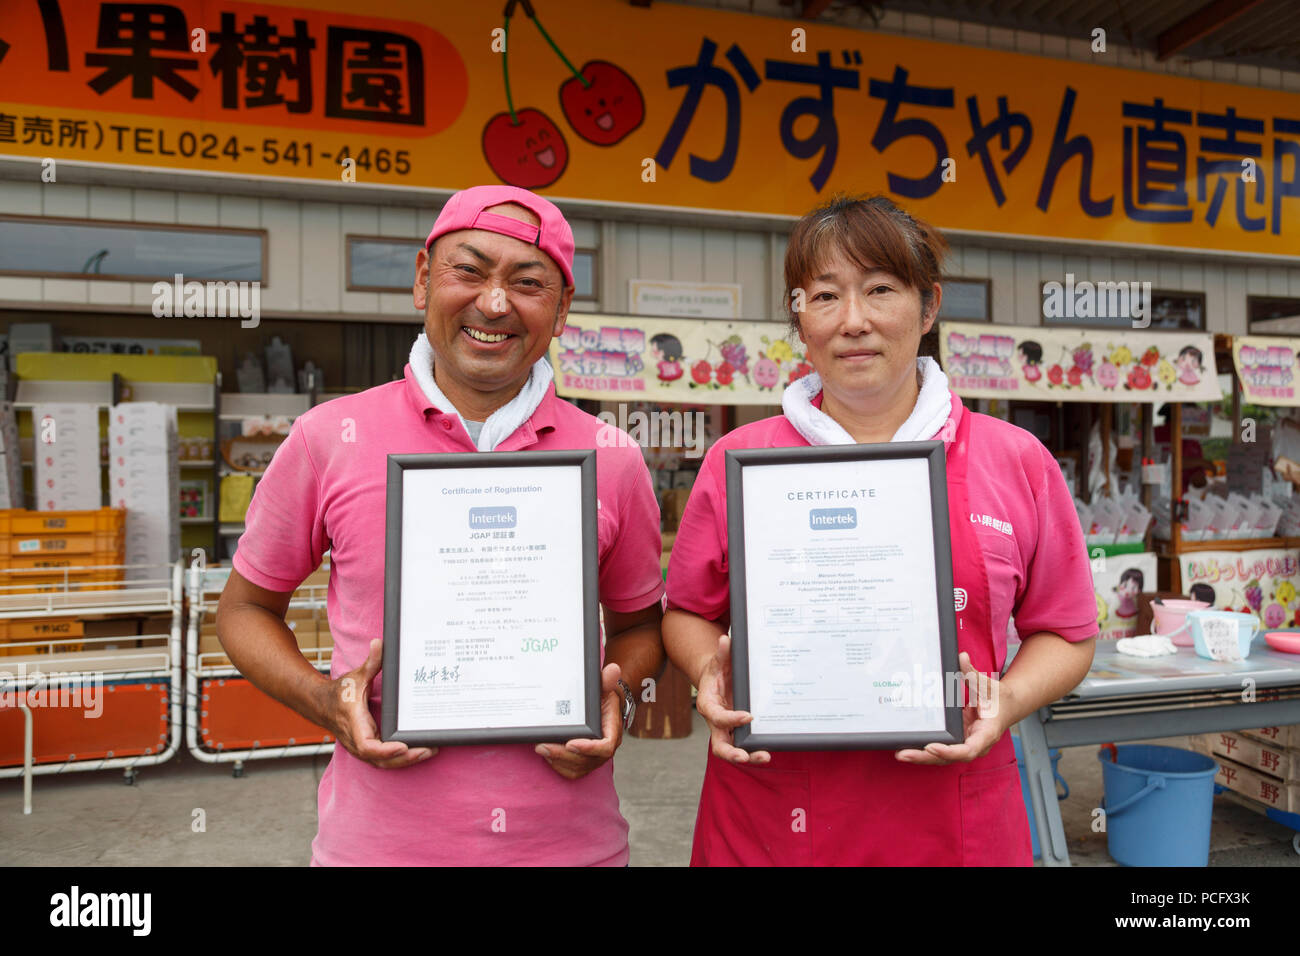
60, 542
41, 629
31, 562
18, 522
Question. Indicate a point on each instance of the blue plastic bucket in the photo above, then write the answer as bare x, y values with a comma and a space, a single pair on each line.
1055, 756
1158, 803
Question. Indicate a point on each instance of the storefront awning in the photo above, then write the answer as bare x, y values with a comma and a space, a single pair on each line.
1036, 364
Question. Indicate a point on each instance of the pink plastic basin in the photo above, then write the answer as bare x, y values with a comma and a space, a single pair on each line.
1171, 615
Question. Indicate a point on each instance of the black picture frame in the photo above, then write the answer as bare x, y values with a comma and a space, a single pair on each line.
738, 461
586, 721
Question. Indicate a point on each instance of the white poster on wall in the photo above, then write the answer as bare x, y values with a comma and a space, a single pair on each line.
701, 300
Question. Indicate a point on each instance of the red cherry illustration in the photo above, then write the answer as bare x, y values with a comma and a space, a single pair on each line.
802, 369
1139, 377
1055, 374
1151, 356
702, 371
605, 110
724, 373
529, 153
1075, 376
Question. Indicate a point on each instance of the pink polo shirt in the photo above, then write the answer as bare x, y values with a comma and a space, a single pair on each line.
326, 490
1020, 506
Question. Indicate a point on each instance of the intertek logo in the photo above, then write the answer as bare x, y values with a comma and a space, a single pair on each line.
77, 909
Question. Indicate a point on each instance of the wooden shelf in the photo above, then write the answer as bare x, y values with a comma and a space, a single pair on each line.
1230, 544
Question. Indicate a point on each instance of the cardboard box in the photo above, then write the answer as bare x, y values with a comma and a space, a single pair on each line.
1275, 761
1276, 736
1260, 787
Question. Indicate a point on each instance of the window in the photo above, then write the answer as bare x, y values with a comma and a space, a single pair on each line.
376, 264
966, 299
89, 249
1120, 305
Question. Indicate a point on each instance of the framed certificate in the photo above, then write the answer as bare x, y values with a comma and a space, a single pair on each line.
491, 614
843, 630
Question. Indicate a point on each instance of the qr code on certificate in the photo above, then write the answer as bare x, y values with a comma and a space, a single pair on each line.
561, 708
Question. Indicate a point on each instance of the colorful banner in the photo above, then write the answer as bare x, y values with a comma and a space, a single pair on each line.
1266, 369
1263, 582
1032, 363
630, 358
1117, 581
664, 105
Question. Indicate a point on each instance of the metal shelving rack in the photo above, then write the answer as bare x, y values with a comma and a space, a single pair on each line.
203, 587
158, 593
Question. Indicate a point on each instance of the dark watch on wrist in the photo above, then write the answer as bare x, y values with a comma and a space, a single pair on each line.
629, 704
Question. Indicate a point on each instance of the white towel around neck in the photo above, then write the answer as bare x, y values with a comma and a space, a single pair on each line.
931, 413
502, 423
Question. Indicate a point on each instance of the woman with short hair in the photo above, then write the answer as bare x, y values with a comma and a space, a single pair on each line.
863, 279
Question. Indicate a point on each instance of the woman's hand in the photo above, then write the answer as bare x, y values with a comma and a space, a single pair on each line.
983, 720
714, 704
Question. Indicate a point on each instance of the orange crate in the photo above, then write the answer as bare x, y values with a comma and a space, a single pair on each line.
237, 716
21, 650
59, 542
21, 521
41, 629
133, 721
27, 562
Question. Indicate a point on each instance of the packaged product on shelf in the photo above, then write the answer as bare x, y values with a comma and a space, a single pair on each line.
67, 457
11, 467
144, 478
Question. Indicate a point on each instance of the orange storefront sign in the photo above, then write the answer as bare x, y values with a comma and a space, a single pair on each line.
669, 106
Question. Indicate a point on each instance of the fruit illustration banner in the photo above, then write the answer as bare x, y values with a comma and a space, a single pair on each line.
698, 361
657, 105
1117, 581
1263, 582
1031, 363
1266, 368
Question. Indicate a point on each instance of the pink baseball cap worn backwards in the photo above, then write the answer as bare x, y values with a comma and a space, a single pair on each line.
466, 210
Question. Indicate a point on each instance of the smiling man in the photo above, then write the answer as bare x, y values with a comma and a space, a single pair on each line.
494, 281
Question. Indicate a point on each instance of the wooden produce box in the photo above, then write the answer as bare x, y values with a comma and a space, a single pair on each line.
1277, 736
1282, 762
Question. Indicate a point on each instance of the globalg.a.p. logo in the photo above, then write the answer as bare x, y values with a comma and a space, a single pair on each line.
959, 598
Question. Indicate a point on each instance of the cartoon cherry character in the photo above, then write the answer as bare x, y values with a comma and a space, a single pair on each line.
528, 151
802, 369
702, 372
724, 372
606, 108
1055, 374
1139, 378
1075, 376
1107, 375
766, 373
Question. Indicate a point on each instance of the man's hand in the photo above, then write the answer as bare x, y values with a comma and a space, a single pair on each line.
983, 720
580, 757
714, 703
345, 712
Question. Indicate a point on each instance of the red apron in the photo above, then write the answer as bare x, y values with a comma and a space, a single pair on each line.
865, 808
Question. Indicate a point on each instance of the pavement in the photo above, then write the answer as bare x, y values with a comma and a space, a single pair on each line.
267, 817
